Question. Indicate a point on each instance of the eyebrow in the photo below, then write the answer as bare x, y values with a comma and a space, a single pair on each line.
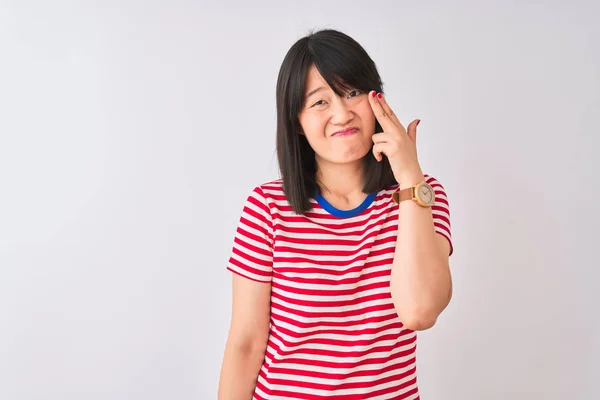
314, 91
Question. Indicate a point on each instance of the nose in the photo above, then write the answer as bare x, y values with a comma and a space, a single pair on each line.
341, 113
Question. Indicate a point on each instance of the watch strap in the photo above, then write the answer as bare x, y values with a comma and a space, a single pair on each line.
404, 194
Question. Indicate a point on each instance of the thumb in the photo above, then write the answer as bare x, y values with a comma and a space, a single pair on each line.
412, 130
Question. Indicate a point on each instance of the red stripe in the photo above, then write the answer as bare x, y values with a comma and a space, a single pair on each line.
313, 341
341, 323
341, 366
328, 292
249, 269
328, 301
333, 272
246, 276
345, 281
333, 314
395, 325
443, 228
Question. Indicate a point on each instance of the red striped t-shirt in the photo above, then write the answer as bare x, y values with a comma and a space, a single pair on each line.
334, 332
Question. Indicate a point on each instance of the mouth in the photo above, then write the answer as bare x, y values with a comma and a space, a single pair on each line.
346, 132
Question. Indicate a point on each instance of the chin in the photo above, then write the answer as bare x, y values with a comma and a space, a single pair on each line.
350, 158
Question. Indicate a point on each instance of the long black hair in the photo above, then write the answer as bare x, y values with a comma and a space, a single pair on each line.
344, 64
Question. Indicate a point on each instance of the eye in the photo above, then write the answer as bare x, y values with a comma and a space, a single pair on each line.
318, 103
357, 92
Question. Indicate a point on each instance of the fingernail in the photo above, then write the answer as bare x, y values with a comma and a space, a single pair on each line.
380, 96
418, 122
373, 94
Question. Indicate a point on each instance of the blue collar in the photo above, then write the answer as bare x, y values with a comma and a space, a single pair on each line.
344, 213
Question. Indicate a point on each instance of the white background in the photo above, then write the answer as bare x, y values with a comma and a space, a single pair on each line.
131, 133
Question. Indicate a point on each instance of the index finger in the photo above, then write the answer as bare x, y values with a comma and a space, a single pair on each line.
384, 118
388, 110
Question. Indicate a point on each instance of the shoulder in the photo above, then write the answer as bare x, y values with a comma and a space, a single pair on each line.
432, 180
270, 190
439, 189
268, 194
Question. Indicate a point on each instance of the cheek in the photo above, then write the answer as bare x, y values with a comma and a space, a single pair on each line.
367, 116
313, 126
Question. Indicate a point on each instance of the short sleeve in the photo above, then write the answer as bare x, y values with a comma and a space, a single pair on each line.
252, 252
441, 211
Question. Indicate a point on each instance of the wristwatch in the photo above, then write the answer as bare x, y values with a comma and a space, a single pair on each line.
422, 193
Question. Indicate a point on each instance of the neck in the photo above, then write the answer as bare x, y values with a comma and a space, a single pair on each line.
340, 180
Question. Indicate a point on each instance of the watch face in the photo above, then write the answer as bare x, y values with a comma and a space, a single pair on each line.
426, 193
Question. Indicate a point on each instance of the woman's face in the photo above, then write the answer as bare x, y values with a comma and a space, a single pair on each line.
324, 114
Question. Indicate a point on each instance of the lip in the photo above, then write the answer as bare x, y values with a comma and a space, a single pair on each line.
346, 132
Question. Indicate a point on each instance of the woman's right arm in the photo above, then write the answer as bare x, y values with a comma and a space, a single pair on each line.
247, 339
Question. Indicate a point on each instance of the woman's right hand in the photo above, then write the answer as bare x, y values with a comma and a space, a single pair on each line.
247, 339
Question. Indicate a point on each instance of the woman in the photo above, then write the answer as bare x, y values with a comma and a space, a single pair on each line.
339, 262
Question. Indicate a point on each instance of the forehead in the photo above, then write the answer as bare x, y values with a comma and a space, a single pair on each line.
314, 79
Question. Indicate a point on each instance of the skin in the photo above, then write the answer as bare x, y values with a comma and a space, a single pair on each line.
420, 284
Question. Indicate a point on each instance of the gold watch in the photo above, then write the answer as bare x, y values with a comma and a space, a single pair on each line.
422, 193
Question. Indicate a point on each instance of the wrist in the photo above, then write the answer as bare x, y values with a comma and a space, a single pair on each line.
409, 179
